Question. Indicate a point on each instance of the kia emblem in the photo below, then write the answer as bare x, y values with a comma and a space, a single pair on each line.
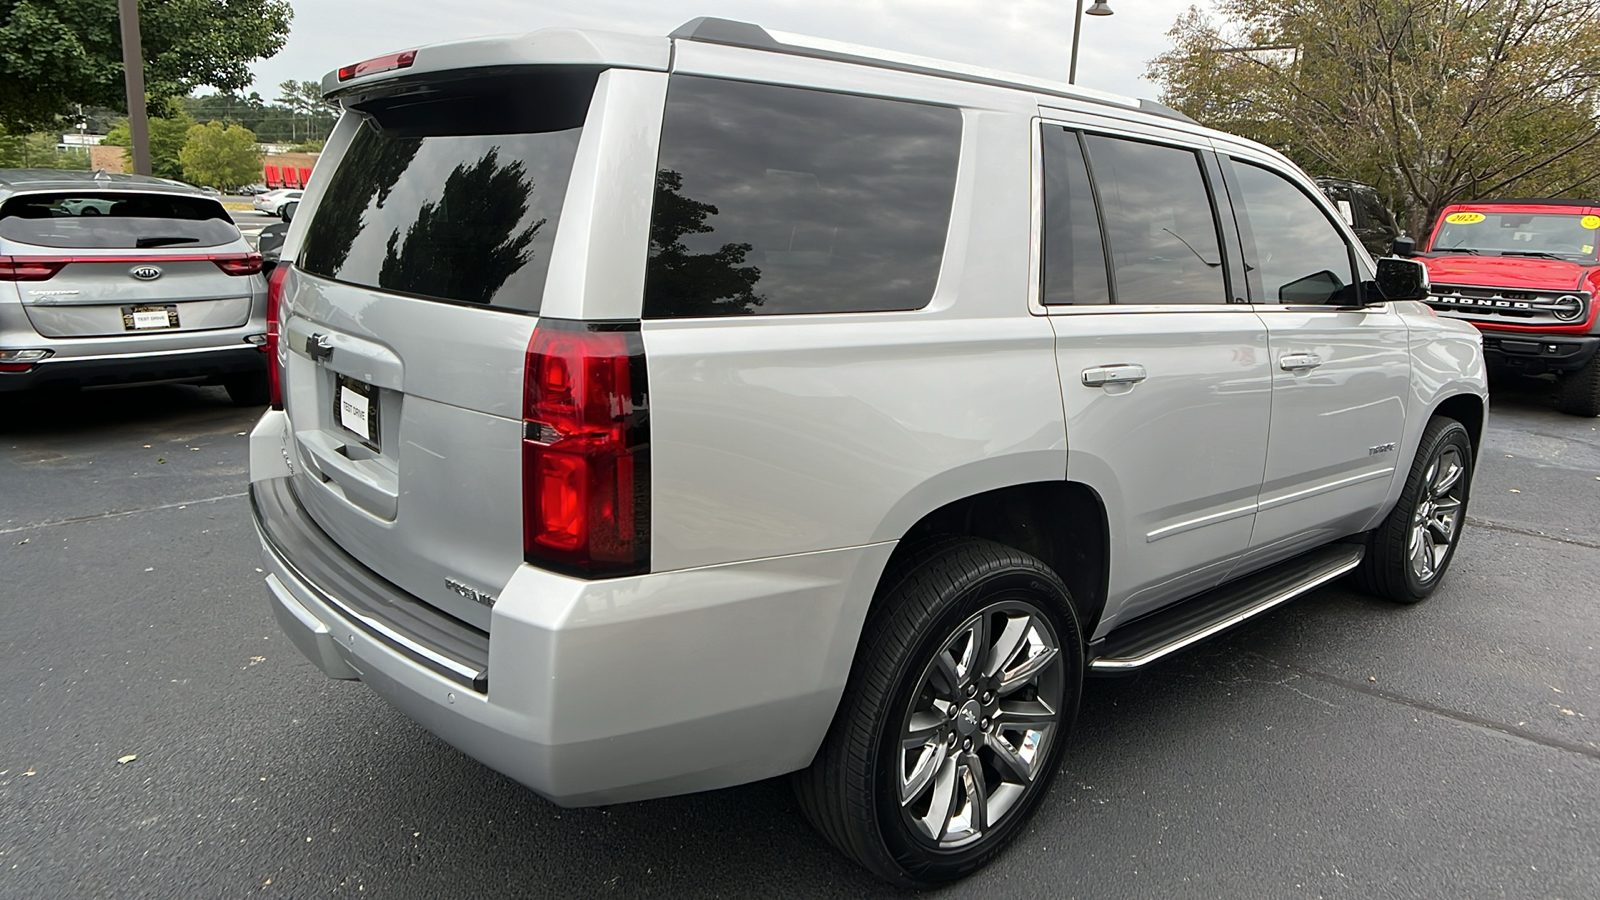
145, 273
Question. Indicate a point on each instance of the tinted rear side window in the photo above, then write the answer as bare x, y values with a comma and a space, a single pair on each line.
453, 193
115, 220
781, 200
1159, 224
1074, 263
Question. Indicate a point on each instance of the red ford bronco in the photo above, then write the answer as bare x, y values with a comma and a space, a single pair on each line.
1525, 273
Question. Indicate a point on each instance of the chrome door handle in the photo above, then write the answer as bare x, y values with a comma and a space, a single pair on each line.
1296, 362
1099, 376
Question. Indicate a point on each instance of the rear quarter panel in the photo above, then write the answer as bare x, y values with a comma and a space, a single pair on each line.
786, 434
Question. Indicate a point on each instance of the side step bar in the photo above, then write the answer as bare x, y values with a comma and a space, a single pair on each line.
1147, 639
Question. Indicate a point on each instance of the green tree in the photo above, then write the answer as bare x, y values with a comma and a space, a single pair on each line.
694, 284
222, 156
57, 53
298, 116
1433, 101
167, 137
37, 151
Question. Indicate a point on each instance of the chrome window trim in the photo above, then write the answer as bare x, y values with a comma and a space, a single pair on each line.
1199, 143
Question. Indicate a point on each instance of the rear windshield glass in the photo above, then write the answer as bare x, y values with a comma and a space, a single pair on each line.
115, 220
452, 193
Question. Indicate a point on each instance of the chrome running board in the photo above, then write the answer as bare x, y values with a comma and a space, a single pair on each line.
1149, 638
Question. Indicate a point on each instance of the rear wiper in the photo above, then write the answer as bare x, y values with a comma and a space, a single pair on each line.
1456, 250
163, 241
1538, 253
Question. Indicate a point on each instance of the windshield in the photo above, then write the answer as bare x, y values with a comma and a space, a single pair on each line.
1569, 236
115, 220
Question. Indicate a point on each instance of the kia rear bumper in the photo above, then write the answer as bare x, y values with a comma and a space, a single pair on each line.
589, 692
130, 368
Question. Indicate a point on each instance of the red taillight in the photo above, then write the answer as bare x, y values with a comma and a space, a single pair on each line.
22, 268
274, 318
238, 263
585, 452
378, 64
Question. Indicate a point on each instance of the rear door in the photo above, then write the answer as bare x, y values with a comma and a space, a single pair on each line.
415, 288
1340, 370
126, 263
1166, 383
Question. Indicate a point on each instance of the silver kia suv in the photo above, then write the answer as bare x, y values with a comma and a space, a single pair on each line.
659, 414
112, 279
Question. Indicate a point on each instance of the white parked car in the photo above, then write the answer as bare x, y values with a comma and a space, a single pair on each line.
272, 201
751, 405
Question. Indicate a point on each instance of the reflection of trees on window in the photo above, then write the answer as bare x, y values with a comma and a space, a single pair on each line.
463, 247
678, 283
370, 169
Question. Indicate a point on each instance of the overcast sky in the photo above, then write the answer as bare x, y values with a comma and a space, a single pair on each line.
1032, 37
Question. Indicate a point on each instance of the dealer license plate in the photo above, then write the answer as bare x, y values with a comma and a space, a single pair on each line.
358, 409
149, 318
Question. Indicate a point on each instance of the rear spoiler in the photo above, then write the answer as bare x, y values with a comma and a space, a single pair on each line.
550, 47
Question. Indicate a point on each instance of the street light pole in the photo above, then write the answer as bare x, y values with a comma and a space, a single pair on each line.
1100, 8
133, 66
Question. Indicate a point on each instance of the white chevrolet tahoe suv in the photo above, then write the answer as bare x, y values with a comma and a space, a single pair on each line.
662, 414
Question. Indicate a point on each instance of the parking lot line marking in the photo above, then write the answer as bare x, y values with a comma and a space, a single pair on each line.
1529, 532
120, 513
1455, 715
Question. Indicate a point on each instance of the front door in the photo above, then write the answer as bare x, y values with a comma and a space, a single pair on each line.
1340, 371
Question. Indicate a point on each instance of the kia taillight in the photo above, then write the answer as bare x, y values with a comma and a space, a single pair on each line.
238, 263
585, 450
22, 268
274, 319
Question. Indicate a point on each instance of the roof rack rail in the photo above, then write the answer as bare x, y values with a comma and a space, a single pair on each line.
713, 30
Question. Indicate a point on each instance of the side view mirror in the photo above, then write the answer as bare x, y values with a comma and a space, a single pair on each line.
1402, 279
1404, 246
288, 210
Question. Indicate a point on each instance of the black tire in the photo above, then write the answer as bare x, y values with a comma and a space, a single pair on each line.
1578, 393
1394, 567
248, 390
935, 595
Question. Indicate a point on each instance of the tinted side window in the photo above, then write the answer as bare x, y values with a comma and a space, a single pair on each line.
781, 200
1074, 262
1159, 224
1298, 254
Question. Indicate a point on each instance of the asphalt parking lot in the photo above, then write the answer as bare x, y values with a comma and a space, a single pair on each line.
159, 738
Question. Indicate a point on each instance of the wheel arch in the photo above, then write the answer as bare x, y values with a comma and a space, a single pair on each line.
1061, 523
1471, 411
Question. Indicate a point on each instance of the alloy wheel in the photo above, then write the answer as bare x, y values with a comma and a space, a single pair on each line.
980, 724
1436, 521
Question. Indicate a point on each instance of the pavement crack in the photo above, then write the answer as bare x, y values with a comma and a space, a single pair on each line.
1531, 532
1454, 715
120, 513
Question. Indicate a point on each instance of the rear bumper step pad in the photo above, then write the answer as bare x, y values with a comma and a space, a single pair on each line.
364, 599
